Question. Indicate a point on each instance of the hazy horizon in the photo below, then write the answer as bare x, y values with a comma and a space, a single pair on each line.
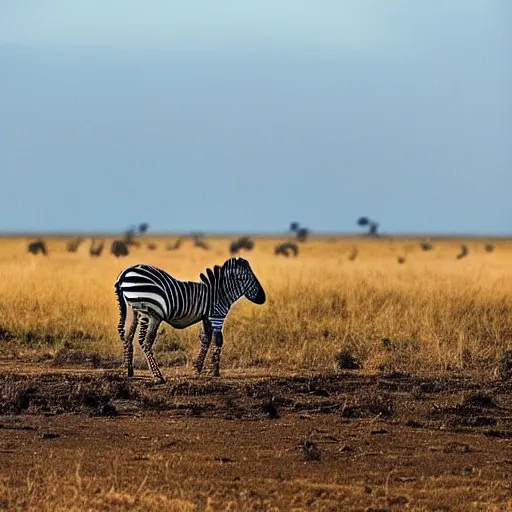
240, 118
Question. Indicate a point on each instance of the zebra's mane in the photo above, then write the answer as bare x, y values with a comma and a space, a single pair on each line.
211, 275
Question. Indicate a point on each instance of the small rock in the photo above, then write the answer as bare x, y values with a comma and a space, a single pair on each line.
271, 410
50, 435
224, 460
310, 450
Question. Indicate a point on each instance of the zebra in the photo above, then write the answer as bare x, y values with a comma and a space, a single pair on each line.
148, 295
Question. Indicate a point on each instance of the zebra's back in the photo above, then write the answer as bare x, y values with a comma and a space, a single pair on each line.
179, 303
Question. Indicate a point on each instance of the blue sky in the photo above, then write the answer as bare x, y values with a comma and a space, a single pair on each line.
244, 116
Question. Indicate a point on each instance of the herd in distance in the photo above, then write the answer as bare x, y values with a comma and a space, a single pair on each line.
134, 235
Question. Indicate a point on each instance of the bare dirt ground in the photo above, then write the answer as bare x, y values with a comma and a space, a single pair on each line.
83, 439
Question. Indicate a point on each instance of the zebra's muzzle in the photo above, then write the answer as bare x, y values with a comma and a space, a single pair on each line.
260, 297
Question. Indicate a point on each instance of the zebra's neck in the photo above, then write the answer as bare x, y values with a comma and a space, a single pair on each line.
228, 294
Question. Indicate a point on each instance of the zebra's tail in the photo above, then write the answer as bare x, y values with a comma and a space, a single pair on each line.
123, 309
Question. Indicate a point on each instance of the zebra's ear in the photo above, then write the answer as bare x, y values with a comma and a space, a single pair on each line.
203, 278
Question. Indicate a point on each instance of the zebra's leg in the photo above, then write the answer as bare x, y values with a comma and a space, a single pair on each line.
205, 339
147, 334
219, 340
127, 322
128, 343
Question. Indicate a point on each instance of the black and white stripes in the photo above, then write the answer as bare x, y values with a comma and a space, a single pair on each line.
148, 295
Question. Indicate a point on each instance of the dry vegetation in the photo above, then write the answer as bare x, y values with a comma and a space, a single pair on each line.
425, 424
432, 313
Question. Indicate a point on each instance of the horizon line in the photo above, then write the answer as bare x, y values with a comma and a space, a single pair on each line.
259, 234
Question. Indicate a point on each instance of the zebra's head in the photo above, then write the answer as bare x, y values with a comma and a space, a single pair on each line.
239, 280
230, 282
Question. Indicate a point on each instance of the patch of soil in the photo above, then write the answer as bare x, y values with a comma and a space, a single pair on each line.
340, 441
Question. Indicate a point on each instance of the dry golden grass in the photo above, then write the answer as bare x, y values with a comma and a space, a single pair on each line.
431, 313
50, 491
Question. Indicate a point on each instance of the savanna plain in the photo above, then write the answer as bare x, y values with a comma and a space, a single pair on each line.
372, 379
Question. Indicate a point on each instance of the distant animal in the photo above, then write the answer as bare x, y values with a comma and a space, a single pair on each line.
96, 249
73, 245
489, 247
152, 246
426, 246
464, 251
129, 237
37, 247
174, 246
234, 247
198, 242
373, 229
401, 259
119, 248
242, 243
286, 249
353, 255
147, 296
302, 234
